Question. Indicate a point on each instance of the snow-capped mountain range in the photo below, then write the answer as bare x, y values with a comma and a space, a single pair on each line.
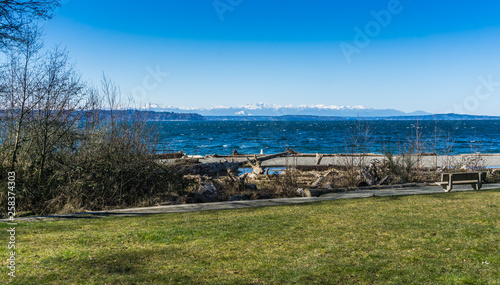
262, 109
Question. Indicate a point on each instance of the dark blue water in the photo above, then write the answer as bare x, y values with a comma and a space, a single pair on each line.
442, 137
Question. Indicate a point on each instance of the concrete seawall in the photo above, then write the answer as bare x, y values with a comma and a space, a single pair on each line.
485, 160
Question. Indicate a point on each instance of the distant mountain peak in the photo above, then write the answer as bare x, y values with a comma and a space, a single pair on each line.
263, 109
260, 106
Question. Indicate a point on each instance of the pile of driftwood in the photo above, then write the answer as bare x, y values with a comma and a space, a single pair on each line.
227, 164
204, 174
375, 173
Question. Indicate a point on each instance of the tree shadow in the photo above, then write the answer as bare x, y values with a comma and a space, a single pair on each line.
119, 266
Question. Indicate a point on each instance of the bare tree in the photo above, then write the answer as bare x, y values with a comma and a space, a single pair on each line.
20, 86
62, 157
111, 95
15, 15
60, 102
43, 96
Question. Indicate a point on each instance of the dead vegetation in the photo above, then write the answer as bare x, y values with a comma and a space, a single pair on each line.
69, 148
307, 180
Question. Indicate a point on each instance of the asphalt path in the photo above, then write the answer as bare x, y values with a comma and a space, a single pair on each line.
229, 205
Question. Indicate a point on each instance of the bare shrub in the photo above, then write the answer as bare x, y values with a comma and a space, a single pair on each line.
70, 154
357, 145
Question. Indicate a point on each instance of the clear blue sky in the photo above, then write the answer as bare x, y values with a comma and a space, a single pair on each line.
429, 55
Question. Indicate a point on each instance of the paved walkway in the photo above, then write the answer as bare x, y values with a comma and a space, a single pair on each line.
260, 203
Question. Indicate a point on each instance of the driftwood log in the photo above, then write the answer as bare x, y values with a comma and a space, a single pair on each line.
222, 167
213, 169
319, 157
235, 178
321, 179
271, 156
256, 167
256, 163
375, 173
205, 192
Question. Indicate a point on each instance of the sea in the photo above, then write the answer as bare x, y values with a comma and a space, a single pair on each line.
349, 136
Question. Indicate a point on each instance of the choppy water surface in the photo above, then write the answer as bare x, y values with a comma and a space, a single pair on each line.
453, 137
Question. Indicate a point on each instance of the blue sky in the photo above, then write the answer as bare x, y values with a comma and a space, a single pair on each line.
436, 56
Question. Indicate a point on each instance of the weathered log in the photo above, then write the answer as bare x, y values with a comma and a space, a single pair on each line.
206, 191
261, 157
265, 157
320, 180
301, 192
212, 169
374, 173
238, 179
271, 156
313, 167
267, 175
207, 188
319, 157
256, 167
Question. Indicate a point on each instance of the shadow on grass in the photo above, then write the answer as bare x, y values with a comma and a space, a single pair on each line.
71, 269
390, 198
151, 266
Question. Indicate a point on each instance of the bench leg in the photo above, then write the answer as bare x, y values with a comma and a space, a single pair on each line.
474, 186
450, 183
448, 188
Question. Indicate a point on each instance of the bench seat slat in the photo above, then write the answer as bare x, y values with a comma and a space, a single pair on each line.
464, 182
457, 182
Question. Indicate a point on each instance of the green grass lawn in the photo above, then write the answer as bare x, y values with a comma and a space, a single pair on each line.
451, 238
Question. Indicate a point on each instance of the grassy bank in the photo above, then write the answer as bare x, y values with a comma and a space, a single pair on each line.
449, 238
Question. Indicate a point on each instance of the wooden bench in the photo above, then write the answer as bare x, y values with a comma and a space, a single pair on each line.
475, 179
